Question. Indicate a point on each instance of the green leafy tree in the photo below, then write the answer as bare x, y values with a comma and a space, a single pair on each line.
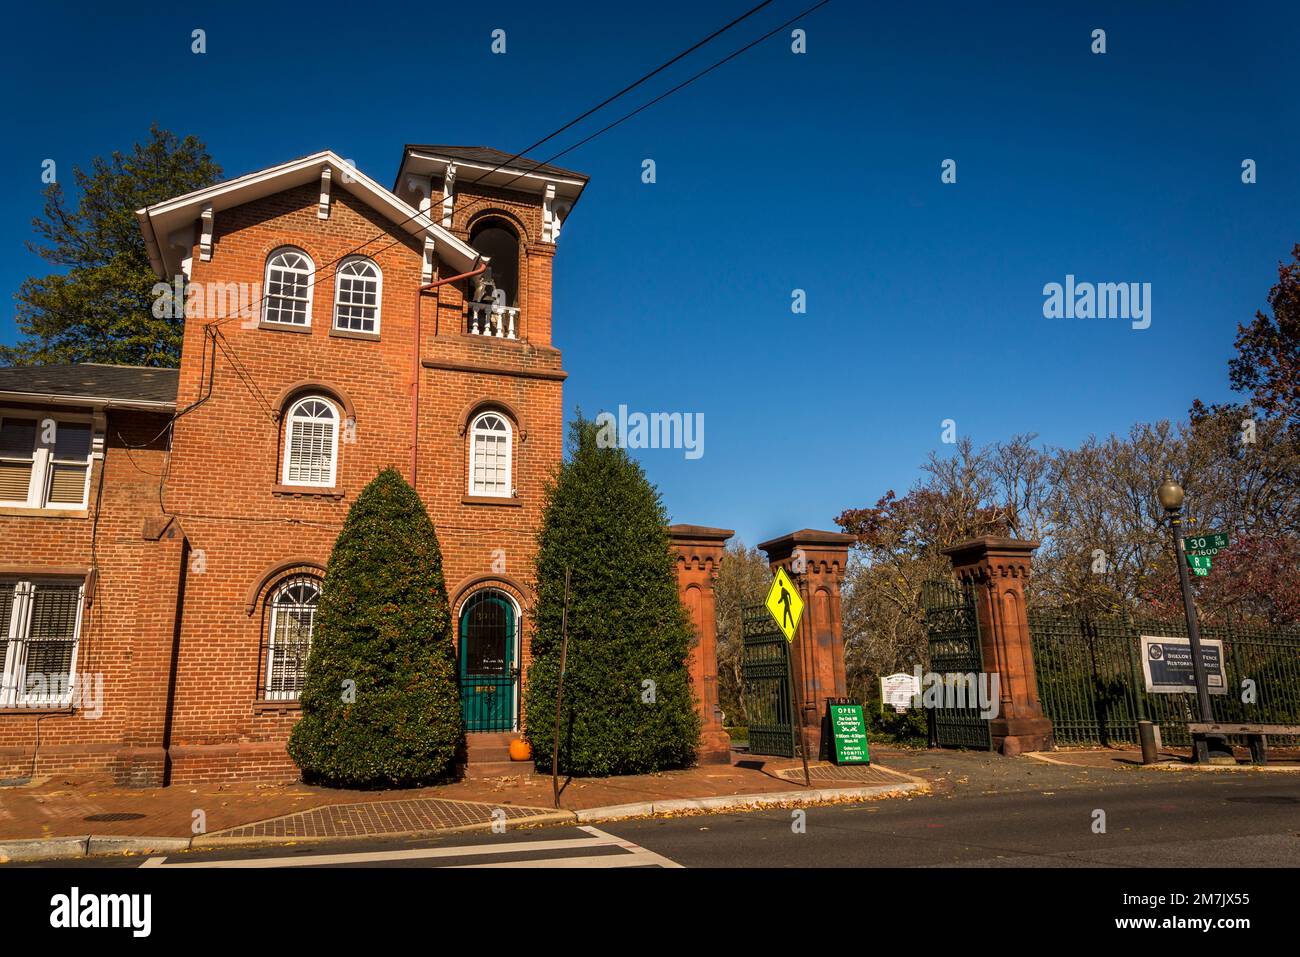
101, 308
628, 706
380, 704
1267, 364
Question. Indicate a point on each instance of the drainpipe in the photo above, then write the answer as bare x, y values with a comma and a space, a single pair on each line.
415, 362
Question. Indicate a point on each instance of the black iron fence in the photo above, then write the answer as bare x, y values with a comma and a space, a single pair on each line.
1091, 685
765, 669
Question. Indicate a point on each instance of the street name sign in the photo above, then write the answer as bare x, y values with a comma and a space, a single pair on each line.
784, 604
1207, 545
1167, 665
849, 731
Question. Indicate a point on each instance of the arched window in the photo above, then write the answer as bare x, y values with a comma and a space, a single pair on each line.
311, 442
357, 287
288, 641
289, 279
501, 246
489, 456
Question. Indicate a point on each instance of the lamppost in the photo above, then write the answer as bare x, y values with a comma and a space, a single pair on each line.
1171, 497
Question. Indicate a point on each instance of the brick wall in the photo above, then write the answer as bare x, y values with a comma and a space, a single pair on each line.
211, 521
224, 481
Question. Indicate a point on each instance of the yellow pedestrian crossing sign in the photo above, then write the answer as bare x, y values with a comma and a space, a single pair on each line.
784, 604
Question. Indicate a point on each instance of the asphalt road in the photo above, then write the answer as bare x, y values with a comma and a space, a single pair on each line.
1157, 820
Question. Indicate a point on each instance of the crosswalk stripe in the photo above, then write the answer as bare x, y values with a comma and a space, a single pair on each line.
637, 856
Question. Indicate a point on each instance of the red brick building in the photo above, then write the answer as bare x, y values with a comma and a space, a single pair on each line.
165, 532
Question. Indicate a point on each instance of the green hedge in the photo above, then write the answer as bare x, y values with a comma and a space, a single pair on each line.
383, 629
627, 705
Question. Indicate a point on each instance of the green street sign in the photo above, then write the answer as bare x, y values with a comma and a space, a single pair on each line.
1200, 564
849, 731
1209, 544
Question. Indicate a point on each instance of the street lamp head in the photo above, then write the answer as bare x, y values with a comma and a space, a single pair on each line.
1170, 494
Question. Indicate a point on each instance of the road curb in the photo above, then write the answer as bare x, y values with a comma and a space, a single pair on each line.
739, 802
89, 845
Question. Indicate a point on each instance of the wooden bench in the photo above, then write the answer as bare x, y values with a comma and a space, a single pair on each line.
1256, 736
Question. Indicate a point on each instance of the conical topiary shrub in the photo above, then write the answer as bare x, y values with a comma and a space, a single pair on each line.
628, 706
380, 703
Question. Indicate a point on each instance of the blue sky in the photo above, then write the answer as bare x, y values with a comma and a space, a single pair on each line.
777, 172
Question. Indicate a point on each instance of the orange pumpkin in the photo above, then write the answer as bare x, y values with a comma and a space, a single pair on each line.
520, 750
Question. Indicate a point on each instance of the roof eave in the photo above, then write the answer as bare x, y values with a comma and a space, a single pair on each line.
97, 402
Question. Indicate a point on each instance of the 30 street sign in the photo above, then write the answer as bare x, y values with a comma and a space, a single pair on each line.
1210, 544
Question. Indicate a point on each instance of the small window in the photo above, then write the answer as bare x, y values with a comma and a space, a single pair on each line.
40, 623
17, 459
293, 617
311, 443
489, 456
44, 463
358, 284
69, 466
289, 279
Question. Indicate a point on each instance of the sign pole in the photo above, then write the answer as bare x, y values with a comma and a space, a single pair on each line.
785, 605
559, 691
796, 700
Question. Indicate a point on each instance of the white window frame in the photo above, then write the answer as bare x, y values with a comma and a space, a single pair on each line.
13, 676
379, 292
43, 460
309, 272
295, 416
272, 623
476, 431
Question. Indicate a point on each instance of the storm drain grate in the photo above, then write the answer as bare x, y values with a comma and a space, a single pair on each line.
115, 816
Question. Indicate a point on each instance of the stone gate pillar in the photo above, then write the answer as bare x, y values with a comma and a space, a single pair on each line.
999, 568
815, 560
699, 552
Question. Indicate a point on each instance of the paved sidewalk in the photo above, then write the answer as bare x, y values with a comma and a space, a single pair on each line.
64, 806
1279, 759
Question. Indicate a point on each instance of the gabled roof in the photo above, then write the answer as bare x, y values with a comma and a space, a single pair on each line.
487, 156
169, 226
482, 164
90, 383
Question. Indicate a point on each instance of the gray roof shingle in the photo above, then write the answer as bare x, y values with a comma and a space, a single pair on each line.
91, 380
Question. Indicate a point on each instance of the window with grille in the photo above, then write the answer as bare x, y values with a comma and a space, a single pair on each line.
288, 641
40, 622
311, 443
356, 296
44, 462
489, 456
289, 279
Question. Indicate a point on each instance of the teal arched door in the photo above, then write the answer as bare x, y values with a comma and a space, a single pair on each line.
488, 676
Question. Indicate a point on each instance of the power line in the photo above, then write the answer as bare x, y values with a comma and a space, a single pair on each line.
550, 136
627, 89
665, 95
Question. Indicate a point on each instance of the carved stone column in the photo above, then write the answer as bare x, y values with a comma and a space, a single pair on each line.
815, 560
699, 552
999, 568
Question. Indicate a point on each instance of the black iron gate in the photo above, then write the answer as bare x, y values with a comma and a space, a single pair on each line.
952, 626
765, 669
